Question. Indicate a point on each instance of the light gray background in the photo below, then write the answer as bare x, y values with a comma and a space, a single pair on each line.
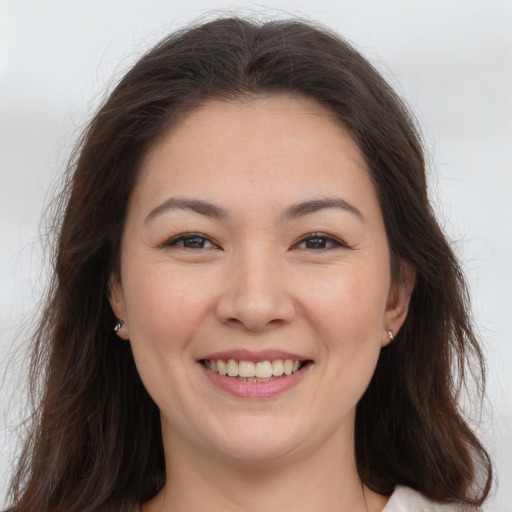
452, 60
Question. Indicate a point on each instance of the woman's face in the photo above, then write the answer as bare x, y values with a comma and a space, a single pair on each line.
254, 234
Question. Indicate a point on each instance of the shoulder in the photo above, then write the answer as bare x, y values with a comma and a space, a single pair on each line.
405, 499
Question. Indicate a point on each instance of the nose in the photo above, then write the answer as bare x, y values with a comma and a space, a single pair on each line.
255, 296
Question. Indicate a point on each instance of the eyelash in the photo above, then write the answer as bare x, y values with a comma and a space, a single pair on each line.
331, 242
334, 242
180, 241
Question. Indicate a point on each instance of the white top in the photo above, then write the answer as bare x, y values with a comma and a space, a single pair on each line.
405, 499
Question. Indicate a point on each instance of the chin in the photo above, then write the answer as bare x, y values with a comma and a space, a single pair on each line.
258, 440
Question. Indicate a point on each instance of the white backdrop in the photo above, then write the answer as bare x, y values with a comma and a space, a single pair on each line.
452, 60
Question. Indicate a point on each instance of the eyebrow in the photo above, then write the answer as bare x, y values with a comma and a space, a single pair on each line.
194, 205
210, 210
307, 207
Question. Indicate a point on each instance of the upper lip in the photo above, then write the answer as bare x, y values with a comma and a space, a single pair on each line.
249, 355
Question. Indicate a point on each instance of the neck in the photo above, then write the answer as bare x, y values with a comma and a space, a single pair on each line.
318, 481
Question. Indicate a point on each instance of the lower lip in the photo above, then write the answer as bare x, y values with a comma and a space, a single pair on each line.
242, 389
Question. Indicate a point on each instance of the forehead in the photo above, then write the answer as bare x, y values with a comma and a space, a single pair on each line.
255, 125
255, 146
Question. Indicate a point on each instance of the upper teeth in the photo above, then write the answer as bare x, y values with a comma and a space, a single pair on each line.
260, 369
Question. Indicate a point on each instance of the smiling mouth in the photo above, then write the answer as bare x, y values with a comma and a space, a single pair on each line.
249, 371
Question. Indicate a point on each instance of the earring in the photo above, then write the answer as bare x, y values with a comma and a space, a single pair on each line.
118, 326
390, 335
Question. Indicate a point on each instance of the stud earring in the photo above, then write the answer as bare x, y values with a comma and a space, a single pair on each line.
390, 335
118, 326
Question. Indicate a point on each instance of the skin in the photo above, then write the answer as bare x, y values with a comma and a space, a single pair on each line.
252, 281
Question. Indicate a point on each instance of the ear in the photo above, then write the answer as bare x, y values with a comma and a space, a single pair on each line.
398, 301
118, 305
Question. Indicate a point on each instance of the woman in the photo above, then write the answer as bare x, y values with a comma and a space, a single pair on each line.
253, 305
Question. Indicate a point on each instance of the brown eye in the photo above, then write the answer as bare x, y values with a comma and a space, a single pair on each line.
319, 241
191, 241
195, 242
316, 243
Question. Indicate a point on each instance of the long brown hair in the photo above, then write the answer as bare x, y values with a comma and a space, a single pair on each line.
95, 442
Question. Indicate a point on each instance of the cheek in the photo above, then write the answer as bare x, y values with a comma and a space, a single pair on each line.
349, 322
164, 308
350, 308
164, 305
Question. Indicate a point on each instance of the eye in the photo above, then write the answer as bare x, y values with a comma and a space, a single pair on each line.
191, 241
319, 241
